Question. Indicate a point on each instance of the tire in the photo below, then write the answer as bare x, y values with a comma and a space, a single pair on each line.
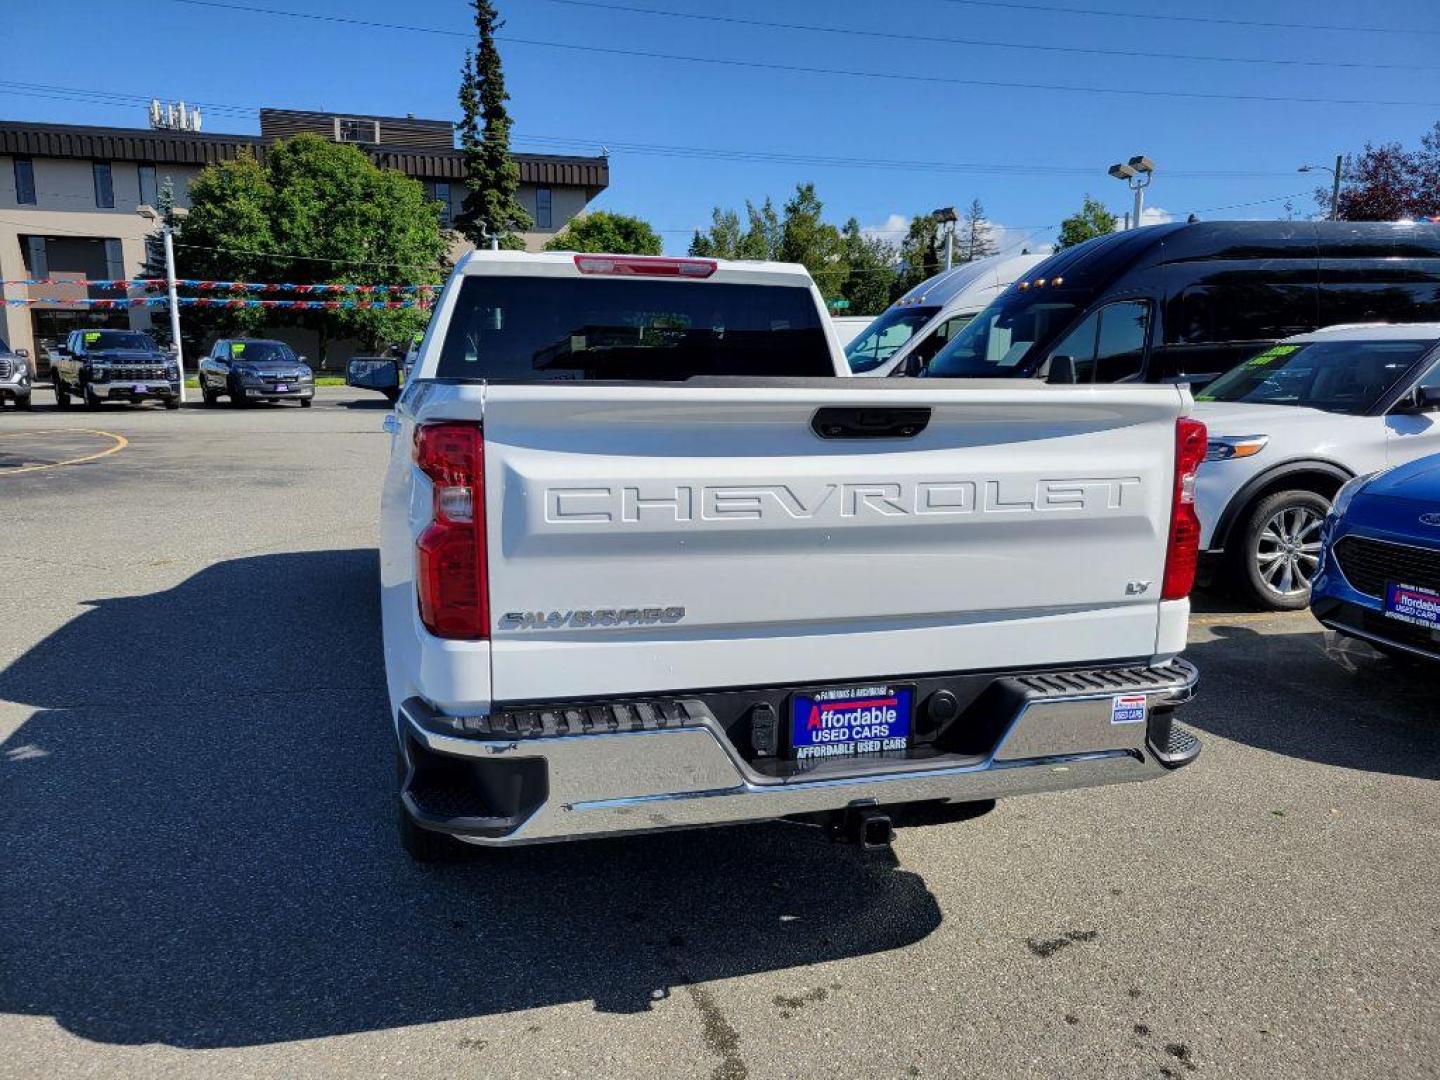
1277, 550
392, 395
62, 396
23, 403
237, 396
207, 397
422, 845
172, 404
306, 402
91, 401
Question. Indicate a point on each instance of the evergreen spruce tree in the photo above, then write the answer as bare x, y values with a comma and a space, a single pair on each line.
492, 178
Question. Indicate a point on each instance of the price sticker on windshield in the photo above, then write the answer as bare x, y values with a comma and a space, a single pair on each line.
1269, 356
92, 336
237, 349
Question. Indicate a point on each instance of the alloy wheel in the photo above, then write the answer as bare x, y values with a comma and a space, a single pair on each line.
1288, 552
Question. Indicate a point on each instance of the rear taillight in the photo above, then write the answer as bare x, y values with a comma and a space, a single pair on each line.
450, 571
1182, 554
645, 265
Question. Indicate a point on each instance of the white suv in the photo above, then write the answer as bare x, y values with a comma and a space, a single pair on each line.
1292, 424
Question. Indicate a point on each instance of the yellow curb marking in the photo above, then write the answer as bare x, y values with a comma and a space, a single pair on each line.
120, 443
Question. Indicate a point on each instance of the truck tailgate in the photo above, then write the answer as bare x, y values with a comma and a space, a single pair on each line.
662, 537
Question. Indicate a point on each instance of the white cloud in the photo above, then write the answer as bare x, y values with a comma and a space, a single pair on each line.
1008, 241
893, 228
1155, 215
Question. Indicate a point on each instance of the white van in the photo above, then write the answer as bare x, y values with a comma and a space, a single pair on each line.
927, 316
849, 327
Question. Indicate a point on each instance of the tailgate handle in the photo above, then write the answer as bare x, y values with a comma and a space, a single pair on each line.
869, 423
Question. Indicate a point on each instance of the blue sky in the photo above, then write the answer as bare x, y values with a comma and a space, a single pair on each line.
1036, 152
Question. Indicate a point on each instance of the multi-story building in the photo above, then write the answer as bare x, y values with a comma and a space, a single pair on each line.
69, 199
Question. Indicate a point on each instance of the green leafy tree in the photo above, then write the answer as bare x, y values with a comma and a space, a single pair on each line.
976, 239
806, 238
922, 253
492, 178
872, 265
618, 234
315, 212
1093, 220
759, 237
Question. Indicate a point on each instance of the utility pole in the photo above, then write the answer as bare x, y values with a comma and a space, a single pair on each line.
1335, 192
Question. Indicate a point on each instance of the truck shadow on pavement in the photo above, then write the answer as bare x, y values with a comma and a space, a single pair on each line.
208, 860
1317, 696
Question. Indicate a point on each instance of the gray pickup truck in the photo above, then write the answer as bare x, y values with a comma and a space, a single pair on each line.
14, 376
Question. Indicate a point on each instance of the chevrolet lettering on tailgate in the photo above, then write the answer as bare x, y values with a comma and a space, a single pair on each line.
575, 505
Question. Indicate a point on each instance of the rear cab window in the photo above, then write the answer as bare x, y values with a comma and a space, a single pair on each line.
535, 329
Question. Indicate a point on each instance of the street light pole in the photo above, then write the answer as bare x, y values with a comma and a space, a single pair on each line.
947, 216
1336, 173
1137, 174
168, 233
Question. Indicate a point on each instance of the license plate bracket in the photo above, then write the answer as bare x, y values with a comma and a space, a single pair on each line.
851, 721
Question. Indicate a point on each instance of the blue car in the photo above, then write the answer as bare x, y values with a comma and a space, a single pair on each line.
1379, 576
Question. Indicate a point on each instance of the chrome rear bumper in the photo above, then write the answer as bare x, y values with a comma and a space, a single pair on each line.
544, 787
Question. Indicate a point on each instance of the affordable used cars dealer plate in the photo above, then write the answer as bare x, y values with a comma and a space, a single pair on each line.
850, 720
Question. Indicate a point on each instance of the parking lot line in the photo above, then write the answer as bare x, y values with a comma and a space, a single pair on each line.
120, 443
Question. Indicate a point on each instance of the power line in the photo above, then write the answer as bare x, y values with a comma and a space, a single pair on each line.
779, 157
721, 153
933, 39
1207, 19
800, 69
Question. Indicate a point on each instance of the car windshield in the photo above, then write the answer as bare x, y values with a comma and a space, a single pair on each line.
261, 351
880, 340
543, 328
998, 341
96, 340
1333, 376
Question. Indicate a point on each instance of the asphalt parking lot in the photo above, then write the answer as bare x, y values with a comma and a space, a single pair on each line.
200, 875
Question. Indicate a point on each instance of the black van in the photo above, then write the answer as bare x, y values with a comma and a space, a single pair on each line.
1186, 302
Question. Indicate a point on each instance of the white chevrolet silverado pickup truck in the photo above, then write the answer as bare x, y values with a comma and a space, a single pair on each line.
649, 562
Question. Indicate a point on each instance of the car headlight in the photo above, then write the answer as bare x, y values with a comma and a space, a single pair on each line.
172, 372
245, 371
99, 374
1348, 491
306, 374
1226, 447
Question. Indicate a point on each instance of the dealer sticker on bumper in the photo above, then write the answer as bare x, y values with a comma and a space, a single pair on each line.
1413, 605
850, 720
1127, 709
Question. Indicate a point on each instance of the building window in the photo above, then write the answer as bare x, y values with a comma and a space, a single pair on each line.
356, 131
148, 191
24, 181
104, 185
544, 213
442, 194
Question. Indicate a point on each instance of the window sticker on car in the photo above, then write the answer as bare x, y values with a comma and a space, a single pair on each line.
237, 349
92, 336
1127, 709
1269, 356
